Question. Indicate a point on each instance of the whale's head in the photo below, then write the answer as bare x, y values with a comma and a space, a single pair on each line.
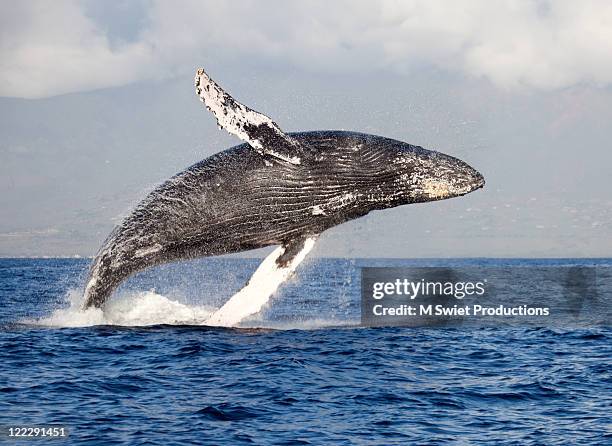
405, 173
383, 172
425, 175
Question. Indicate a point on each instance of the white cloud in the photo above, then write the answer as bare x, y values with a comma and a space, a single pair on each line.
50, 48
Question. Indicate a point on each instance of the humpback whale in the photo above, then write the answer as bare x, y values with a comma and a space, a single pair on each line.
276, 188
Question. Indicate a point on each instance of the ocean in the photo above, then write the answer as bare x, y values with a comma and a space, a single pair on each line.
302, 371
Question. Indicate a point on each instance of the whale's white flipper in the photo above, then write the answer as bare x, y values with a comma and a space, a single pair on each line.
255, 128
263, 283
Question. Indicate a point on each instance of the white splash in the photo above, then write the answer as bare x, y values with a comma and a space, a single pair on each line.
149, 308
132, 309
263, 283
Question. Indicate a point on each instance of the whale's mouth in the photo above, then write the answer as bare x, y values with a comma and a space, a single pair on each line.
437, 176
468, 180
477, 183
440, 189
470, 187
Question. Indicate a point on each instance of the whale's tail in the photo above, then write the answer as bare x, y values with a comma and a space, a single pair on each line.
102, 281
116, 260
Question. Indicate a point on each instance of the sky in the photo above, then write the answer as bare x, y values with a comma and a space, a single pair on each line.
97, 107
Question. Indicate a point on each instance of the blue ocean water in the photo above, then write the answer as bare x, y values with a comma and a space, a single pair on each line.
300, 372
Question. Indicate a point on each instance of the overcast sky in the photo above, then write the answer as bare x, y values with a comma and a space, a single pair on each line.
97, 107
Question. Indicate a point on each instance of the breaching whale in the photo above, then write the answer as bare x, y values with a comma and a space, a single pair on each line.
275, 189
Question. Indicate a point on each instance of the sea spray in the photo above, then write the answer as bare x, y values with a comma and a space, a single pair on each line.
141, 308
144, 308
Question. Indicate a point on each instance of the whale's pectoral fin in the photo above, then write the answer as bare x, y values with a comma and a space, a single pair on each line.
291, 249
263, 283
263, 134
